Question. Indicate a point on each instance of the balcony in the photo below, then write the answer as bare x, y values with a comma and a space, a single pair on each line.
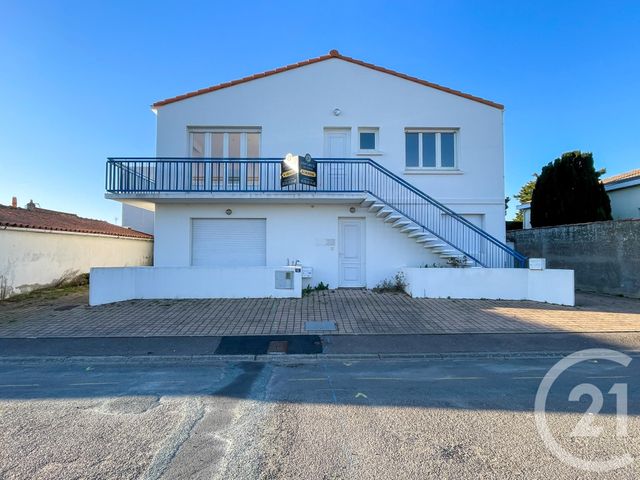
226, 178
392, 198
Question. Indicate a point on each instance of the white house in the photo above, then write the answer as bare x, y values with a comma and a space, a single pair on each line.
409, 173
624, 194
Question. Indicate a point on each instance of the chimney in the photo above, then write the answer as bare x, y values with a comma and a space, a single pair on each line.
31, 205
14, 202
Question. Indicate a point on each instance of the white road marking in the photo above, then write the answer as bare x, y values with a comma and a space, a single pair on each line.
23, 385
419, 379
91, 383
307, 379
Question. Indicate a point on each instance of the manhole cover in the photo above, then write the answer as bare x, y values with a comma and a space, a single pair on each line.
278, 347
313, 326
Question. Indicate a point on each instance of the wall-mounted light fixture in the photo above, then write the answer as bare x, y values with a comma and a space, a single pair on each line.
337, 112
228, 211
352, 209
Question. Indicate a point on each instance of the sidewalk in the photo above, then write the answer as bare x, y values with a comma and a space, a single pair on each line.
355, 312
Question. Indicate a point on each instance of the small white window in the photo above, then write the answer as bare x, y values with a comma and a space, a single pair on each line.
368, 139
431, 149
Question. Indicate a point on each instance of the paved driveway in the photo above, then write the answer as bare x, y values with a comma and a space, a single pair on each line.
353, 311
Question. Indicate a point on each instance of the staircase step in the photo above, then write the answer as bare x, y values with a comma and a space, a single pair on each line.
412, 227
449, 253
376, 206
421, 239
435, 242
392, 218
418, 233
403, 222
384, 212
367, 202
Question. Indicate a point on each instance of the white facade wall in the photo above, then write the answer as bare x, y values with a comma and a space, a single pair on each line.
625, 202
304, 232
31, 259
137, 218
294, 107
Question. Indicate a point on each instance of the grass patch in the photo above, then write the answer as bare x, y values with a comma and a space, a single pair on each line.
397, 284
79, 284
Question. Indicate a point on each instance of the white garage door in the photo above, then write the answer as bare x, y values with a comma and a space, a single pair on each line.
228, 242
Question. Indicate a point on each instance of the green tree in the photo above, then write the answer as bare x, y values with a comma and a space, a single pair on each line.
524, 196
569, 191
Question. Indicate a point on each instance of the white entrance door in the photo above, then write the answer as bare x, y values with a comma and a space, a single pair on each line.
351, 245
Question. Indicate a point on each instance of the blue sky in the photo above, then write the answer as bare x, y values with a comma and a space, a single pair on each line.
77, 77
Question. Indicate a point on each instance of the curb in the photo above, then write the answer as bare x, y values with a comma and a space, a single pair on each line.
296, 358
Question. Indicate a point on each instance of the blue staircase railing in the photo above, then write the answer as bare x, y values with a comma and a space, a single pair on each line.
241, 175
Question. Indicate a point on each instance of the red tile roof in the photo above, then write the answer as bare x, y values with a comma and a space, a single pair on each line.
41, 219
630, 175
331, 54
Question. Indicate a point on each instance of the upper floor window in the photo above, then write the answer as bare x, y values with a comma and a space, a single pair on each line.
431, 149
224, 143
368, 139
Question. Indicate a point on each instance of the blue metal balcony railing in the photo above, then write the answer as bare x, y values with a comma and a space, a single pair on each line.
336, 175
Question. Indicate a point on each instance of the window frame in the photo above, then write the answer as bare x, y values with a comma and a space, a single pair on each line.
376, 148
233, 170
438, 150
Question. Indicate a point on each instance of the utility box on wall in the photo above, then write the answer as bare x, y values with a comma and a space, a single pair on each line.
537, 264
284, 279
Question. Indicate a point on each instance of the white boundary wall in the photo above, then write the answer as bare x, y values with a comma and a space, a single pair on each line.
32, 259
552, 286
109, 285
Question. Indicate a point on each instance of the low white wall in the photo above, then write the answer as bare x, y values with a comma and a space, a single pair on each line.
109, 285
552, 286
31, 259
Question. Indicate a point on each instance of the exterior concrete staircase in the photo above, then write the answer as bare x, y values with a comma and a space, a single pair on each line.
429, 241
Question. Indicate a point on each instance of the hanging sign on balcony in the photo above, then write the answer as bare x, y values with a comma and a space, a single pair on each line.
308, 173
289, 171
297, 169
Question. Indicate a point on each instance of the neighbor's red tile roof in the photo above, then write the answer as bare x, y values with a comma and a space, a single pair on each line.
331, 54
630, 175
41, 219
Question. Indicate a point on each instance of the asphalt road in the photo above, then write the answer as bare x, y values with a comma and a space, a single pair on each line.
405, 419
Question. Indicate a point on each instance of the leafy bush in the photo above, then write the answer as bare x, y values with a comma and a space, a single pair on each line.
397, 284
308, 290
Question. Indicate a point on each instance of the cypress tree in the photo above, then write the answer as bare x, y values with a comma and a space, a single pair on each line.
569, 191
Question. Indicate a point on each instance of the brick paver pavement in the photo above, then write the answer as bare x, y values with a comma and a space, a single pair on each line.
354, 311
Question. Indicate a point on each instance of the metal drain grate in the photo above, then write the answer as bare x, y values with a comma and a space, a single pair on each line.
314, 326
278, 347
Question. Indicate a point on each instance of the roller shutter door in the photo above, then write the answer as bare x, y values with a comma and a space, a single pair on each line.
228, 242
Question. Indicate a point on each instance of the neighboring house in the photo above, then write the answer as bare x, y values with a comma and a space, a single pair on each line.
525, 208
624, 193
409, 173
40, 247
